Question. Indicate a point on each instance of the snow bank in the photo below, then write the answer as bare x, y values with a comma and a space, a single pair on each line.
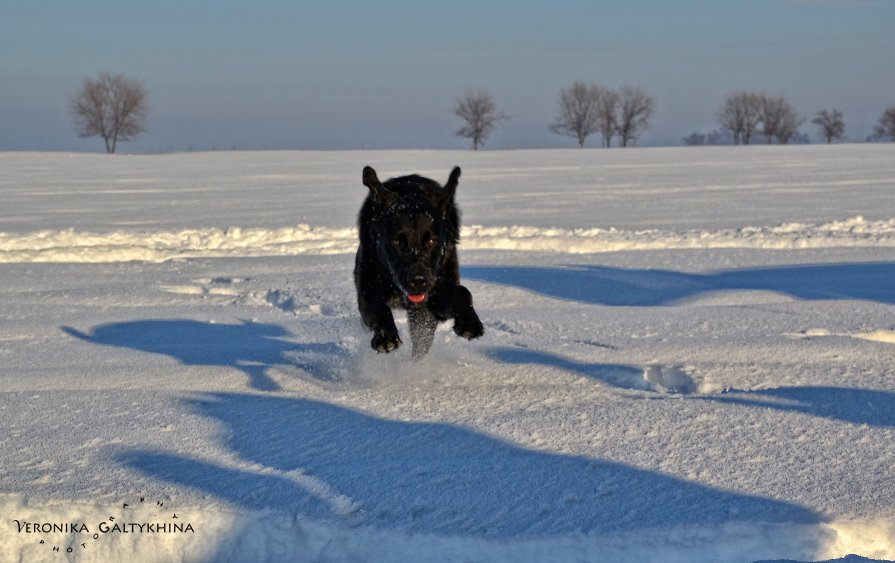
123, 246
145, 532
855, 231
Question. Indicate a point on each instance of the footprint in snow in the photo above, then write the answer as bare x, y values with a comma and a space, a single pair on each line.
670, 379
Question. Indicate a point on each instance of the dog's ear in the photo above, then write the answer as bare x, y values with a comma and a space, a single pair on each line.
450, 188
381, 196
371, 180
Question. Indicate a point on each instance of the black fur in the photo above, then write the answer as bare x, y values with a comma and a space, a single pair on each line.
409, 228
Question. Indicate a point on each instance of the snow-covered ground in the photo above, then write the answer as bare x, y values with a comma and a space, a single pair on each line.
689, 356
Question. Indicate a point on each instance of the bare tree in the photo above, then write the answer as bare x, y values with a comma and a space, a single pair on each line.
779, 119
831, 125
635, 109
740, 113
578, 111
480, 115
607, 110
113, 107
885, 128
770, 115
788, 128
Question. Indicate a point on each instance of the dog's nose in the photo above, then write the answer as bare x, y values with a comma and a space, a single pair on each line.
418, 283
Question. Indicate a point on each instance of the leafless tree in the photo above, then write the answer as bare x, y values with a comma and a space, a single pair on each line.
789, 127
712, 138
607, 110
113, 107
885, 128
779, 119
831, 125
740, 113
578, 111
635, 109
770, 115
480, 115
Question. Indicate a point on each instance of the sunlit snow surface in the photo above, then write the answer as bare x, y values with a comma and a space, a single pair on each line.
688, 357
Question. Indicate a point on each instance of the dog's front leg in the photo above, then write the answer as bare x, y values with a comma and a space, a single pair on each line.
453, 301
378, 317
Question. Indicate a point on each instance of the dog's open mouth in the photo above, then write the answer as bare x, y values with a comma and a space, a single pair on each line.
416, 298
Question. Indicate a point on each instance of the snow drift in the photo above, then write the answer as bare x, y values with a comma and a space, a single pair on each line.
122, 246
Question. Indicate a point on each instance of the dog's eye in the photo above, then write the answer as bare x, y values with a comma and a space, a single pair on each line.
396, 243
430, 243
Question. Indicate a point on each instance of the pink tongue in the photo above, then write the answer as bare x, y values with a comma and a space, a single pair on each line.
417, 297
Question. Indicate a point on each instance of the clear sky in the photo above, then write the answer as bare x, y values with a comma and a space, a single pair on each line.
340, 74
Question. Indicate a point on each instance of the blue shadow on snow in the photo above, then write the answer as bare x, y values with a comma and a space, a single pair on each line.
250, 347
621, 287
855, 406
845, 404
326, 462
617, 375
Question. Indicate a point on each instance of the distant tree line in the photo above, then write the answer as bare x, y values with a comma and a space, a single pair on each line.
582, 109
747, 114
116, 108
744, 116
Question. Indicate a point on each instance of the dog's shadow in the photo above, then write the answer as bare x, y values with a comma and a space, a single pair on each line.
250, 347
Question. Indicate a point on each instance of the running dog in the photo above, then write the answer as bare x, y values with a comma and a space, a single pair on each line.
409, 228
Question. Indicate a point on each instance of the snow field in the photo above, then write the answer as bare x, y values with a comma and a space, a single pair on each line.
725, 399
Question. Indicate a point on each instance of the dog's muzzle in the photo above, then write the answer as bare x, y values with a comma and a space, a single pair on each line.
418, 286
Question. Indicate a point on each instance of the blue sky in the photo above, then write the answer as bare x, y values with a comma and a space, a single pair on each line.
351, 74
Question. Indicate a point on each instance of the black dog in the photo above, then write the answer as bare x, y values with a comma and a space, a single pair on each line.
409, 229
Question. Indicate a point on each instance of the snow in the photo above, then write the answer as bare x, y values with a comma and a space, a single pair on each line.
121, 246
688, 357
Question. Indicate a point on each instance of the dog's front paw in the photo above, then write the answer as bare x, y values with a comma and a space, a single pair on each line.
385, 341
468, 326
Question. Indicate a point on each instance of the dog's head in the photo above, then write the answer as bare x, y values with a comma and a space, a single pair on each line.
414, 224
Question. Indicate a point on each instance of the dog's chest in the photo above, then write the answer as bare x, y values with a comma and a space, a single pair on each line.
394, 301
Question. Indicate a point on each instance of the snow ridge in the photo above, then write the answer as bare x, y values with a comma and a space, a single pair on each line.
122, 246
223, 534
